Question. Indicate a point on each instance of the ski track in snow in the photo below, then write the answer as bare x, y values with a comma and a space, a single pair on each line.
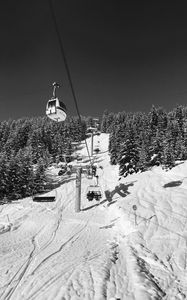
107, 250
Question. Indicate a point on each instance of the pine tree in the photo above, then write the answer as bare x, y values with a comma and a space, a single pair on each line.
25, 172
128, 156
153, 118
168, 158
39, 177
104, 121
14, 168
168, 154
113, 149
3, 175
144, 158
178, 112
116, 138
157, 148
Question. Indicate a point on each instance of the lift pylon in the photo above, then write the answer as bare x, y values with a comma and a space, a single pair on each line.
78, 190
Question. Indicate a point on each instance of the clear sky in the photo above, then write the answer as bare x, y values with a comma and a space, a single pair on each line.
122, 55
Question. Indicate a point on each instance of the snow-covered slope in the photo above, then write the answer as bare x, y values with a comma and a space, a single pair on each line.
106, 251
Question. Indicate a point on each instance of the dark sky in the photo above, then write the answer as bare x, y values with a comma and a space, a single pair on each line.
122, 55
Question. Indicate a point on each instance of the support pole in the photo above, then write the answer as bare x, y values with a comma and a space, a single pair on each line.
78, 190
92, 144
135, 218
134, 207
8, 218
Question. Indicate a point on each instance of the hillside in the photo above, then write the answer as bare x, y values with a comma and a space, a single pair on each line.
106, 251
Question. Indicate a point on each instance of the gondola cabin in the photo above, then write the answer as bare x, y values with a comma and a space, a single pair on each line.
56, 110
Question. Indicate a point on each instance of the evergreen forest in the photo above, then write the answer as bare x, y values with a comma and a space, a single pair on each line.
138, 141
29, 146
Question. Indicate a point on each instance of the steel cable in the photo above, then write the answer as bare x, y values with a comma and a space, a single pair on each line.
67, 69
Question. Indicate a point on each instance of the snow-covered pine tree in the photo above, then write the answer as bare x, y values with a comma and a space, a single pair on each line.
179, 116
113, 149
39, 177
153, 118
129, 155
184, 144
144, 157
107, 121
25, 170
14, 181
4, 175
104, 121
157, 148
168, 153
116, 139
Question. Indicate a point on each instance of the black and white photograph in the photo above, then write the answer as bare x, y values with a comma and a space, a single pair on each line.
93, 150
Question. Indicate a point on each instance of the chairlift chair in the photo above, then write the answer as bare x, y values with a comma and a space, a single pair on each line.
89, 172
44, 196
79, 158
94, 192
90, 195
90, 130
97, 150
62, 172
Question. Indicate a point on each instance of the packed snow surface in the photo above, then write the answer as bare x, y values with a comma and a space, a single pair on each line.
130, 245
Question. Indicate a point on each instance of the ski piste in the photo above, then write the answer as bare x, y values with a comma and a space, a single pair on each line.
129, 245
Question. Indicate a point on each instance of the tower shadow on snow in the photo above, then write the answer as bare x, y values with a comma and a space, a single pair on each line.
121, 190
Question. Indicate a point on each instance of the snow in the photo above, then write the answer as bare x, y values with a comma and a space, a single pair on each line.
106, 251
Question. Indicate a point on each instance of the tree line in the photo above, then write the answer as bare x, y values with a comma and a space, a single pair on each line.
139, 141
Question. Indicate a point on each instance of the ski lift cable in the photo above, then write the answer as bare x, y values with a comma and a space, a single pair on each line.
67, 68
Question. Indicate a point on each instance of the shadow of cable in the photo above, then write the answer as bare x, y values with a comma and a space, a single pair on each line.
92, 206
50, 185
112, 202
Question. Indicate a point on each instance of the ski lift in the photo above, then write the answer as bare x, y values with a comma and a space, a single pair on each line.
97, 150
79, 158
94, 192
62, 172
56, 109
88, 134
90, 130
89, 172
44, 197
75, 145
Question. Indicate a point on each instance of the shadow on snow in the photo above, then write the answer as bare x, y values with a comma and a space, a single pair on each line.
172, 184
121, 190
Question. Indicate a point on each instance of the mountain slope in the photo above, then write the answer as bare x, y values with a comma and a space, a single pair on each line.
107, 250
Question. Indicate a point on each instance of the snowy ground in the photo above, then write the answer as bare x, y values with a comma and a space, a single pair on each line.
106, 251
